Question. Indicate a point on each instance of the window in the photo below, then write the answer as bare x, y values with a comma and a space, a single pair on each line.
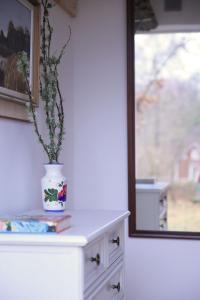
163, 130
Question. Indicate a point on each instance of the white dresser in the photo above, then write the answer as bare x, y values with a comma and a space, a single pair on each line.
151, 206
85, 262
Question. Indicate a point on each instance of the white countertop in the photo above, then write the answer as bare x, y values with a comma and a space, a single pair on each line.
86, 225
150, 187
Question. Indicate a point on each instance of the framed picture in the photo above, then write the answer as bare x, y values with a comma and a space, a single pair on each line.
19, 31
69, 6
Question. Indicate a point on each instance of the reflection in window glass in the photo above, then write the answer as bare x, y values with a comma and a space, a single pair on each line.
167, 105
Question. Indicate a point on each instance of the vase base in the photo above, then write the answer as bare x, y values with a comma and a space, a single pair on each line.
61, 210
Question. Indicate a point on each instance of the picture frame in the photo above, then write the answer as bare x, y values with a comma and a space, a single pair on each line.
69, 6
19, 31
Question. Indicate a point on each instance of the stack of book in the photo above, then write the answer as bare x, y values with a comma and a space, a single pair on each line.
34, 222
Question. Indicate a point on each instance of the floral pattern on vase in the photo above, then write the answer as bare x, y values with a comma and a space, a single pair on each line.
56, 195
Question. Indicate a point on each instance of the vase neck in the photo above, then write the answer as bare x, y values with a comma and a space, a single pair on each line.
53, 169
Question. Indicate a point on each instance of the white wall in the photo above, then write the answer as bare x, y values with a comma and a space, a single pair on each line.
100, 167
156, 269
20, 161
21, 156
187, 19
189, 13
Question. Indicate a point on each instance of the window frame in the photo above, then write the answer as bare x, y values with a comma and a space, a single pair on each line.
133, 231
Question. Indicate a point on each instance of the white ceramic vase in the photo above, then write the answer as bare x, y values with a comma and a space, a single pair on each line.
54, 188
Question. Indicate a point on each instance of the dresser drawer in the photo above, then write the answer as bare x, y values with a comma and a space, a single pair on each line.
163, 220
111, 288
115, 243
94, 261
163, 204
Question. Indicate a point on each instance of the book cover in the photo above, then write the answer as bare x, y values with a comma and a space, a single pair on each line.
34, 223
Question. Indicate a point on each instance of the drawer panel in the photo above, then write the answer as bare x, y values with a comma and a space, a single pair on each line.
115, 243
94, 261
163, 221
163, 204
112, 288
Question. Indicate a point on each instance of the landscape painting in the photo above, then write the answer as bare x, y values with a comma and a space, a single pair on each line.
15, 37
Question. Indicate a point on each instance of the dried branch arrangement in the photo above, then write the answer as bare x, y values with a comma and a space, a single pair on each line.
50, 92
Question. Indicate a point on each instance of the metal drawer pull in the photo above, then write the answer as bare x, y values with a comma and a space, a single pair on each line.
162, 201
96, 259
116, 286
164, 219
116, 241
